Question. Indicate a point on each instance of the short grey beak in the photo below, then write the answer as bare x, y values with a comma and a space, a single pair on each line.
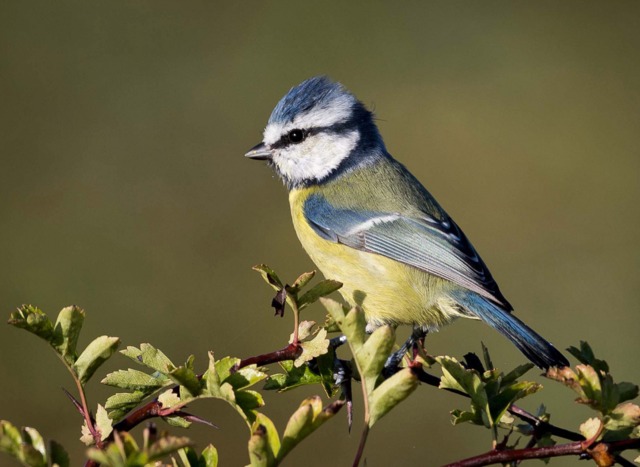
259, 152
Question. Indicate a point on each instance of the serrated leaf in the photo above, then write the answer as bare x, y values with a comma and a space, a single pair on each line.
264, 443
94, 355
103, 423
586, 356
86, 437
455, 376
621, 421
390, 393
309, 416
135, 380
317, 346
124, 399
245, 377
590, 427
304, 330
168, 399
34, 320
150, 357
186, 378
224, 367
459, 416
66, 332
269, 275
321, 289
294, 377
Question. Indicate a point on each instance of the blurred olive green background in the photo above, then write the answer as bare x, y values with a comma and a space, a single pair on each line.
123, 187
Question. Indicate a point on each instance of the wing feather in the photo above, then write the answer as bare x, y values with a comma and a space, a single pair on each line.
435, 246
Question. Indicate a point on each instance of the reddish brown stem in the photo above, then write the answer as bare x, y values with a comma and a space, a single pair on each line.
290, 352
568, 449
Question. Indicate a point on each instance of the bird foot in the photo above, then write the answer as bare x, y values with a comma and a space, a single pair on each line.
415, 343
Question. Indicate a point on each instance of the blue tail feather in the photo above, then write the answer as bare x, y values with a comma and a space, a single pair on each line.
537, 349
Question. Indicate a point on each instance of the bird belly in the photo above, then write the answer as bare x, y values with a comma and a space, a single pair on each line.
389, 292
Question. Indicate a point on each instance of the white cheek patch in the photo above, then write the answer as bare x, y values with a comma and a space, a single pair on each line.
316, 157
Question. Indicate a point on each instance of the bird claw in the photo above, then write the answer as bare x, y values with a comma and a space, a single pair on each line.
415, 342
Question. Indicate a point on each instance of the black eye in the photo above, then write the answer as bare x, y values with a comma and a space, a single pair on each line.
296, 136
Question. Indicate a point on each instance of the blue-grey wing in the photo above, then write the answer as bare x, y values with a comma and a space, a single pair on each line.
435, 246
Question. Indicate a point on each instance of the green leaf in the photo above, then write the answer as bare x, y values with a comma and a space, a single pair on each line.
373, 354
305, 329
304, 421
269, 275
149, 356
455, 376
459, 416
86, 437
34, 320
586, 356
516, 373
627, 391
300, 282
27, 446
121, 403
264, 443
58, 454
249, 401
354, 327
209, 457
94, 355
169, 399
621, 421
33, 438
103, 423
167, 445
317, 346
319, 290
135, 380
508, 395
177, 420
124, 399
293, 378
590, 427
225, 366
390, 393
245, 377
487, 358
66, 332
186, 378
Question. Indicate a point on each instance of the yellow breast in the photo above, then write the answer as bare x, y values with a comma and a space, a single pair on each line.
388, 291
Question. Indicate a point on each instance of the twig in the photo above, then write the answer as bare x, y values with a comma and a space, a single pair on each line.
568, 449
290, 352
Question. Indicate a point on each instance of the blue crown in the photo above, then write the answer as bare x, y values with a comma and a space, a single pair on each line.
318, 91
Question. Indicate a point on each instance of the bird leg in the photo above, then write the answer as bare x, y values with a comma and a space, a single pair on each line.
415, 342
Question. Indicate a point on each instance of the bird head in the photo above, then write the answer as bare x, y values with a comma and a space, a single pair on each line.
318, 129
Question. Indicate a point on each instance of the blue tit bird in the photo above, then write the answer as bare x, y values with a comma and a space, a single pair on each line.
367, 222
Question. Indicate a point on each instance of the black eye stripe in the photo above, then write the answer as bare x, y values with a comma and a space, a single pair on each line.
285, 140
